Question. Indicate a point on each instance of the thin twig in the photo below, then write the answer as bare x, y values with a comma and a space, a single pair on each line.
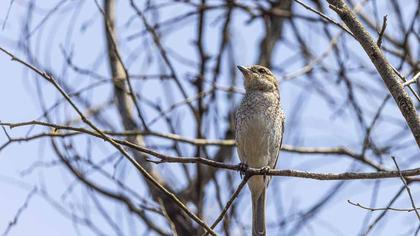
230, 202
381, 34
407, 188
370, 227
381, 208
413, 80
325, 17
7, 14
19, 212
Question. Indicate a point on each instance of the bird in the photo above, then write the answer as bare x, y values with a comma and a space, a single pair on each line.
259, 126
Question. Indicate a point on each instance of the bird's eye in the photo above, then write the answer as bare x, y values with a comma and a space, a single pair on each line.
262, 71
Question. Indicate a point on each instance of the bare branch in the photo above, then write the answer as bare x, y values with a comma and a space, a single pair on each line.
19, 212
382, 65
407, 188
381, 34
381, 209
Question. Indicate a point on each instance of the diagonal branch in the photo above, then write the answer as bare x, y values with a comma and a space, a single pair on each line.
382, 65
407, 188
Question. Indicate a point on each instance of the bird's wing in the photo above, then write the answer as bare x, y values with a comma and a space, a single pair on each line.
278, 140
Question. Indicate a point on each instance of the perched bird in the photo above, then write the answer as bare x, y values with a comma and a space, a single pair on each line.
259, 132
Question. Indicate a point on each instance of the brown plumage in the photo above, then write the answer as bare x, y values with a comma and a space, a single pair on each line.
259, 133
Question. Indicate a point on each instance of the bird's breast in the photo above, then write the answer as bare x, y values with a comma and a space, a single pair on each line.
255, 132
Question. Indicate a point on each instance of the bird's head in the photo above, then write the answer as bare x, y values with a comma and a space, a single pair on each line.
258, 77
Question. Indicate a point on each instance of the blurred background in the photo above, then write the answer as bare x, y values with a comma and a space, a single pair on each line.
162, 74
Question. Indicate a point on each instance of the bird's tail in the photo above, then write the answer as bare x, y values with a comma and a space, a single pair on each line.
258, 214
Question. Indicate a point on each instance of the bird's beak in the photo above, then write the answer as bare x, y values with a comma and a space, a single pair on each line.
245, 71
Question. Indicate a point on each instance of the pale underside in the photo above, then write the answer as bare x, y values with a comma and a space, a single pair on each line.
258, 134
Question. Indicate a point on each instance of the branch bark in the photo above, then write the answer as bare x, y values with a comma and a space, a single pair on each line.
382, 65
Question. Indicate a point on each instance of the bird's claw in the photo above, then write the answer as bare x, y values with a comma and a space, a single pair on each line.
242, 169
265, 170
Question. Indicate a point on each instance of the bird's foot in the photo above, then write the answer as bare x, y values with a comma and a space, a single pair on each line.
242, 169
264, 171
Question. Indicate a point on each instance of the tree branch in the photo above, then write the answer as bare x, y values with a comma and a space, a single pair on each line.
382, 65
